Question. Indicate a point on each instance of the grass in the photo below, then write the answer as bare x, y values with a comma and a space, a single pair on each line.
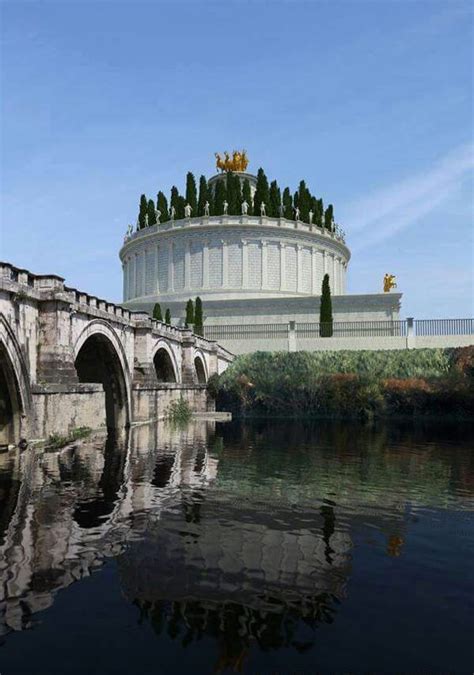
57, 441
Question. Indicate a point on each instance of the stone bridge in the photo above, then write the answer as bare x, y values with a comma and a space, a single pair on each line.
69, 359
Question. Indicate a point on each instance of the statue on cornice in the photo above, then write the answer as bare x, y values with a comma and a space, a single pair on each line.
311, 214
226, 206
245, 208
206, 209
297, 213
172, 213
389, 283
187, 211
157, 215
262, 209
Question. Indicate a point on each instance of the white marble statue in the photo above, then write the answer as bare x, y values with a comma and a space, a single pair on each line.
129, 231
187, 211
297, 213
311, 214
206, 209
282, 210
146, 219
157, 215
245, 208
172, 213
226, 206
262, 209
138, 225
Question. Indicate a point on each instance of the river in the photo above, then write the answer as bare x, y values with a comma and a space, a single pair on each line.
257, 548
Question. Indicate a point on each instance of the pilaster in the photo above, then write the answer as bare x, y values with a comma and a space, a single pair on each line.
264, 264
187, 264
205, 264
282, 266
170, 267
225, 264
245, 264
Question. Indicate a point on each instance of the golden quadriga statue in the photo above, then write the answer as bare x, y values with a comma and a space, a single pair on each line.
238, 162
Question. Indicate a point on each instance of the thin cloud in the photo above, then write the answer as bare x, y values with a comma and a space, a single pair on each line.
387, 211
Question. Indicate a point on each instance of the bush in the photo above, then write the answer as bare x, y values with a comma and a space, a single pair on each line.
349, 384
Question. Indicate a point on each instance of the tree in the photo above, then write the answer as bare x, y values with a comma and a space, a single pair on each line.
234, 194
191, 195
262, 193
329, 217
189, 320
274, 200
180, 207
142, 212
247, 194
325, 309
174, 200
304, 201
203, 195
162, 206
168, 317
288, 204
198, 318
151, 212
220, 194
157, 312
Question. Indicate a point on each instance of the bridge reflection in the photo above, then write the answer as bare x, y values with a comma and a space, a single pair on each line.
211, 536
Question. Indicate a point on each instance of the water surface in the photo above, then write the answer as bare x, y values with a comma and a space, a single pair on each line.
266, 548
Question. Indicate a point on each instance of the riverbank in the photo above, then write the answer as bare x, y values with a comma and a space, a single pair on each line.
350, 385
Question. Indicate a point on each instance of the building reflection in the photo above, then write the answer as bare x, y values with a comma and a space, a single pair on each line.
213, 534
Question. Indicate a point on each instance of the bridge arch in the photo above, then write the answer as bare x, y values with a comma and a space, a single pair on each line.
15, 396
200, 367
165, 363
99, 357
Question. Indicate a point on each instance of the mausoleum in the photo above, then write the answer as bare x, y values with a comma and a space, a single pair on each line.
255, 266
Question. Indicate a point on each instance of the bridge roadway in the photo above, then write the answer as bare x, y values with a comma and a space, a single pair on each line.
69, 359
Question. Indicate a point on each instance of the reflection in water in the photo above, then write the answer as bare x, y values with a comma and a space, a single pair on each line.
246, 539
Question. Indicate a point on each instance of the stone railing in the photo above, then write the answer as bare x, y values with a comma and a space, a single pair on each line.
351, 335
226, 220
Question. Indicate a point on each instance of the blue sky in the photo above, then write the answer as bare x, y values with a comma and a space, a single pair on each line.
370, 102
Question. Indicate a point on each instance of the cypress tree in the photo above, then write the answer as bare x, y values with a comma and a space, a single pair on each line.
274, 200
174, 200
231, 196
189, 313
157, 312
325, 309
220, 195
162, 206
329, 217
320, 211
191, 195
237, 195
142, 212
262, 192
151, 212
304, 201
247, 194
168, 317
203, 195
198, 318
180, 207
288, 204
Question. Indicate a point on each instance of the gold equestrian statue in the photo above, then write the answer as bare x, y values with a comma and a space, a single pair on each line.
238, 162
389, 283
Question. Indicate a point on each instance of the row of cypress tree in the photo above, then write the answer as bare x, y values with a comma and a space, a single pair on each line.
194, 315
231, 189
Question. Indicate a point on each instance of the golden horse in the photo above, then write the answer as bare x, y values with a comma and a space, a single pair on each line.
238, 161
389, 283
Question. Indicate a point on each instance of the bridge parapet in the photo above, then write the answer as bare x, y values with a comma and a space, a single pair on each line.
53, 325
